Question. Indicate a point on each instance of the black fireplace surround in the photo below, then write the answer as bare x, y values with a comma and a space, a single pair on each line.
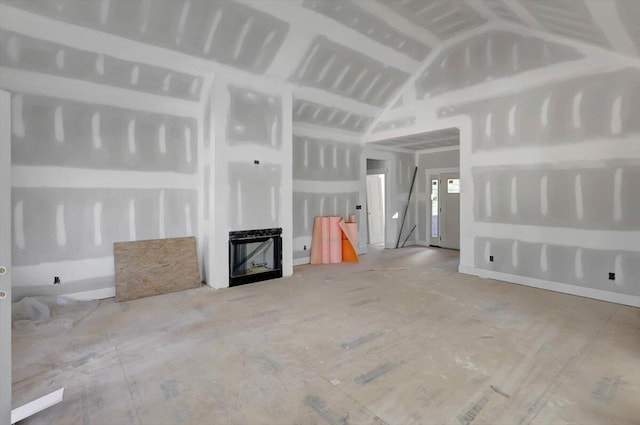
254, 255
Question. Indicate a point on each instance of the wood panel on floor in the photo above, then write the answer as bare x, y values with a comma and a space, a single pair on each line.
153, 267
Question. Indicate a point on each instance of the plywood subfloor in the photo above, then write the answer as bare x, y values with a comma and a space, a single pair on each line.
416, 343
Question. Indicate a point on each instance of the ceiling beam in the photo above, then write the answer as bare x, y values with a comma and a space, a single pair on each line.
608, 19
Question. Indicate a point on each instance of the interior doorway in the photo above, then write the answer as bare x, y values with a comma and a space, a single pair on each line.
375, 208
376, 200
444, 219
5, 257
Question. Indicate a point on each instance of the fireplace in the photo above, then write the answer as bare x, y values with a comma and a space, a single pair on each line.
254, 255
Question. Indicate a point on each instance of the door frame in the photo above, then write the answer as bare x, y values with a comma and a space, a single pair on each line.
443, 223
378, 172
5, 257
428, 174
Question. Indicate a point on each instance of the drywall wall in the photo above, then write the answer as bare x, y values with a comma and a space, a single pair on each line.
550, 169
326, 181
430, 162
87, 175
247, 170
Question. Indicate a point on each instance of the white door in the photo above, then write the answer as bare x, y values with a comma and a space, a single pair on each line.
433, 210
375, 208
5, 258
449, 196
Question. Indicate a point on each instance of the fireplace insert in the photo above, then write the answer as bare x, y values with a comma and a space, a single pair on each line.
254, 255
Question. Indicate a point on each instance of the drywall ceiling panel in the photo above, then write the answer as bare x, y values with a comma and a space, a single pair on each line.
444, 18
503, 11
346, 72
568, 18
254, 118
326, 116
629, 12
223, 30
31, 54
60, 132
350, 14
490, 56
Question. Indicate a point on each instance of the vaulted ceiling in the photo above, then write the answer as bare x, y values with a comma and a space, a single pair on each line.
348, 60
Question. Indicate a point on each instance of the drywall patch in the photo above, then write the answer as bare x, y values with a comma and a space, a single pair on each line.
489, 56
101, 137
563, 264
43, 219
398, 123
251, 205
445, 19
596, 198
316, 114
310, 154
42, 56
566, 115
254, 118
350, 13
222, 27
365, 80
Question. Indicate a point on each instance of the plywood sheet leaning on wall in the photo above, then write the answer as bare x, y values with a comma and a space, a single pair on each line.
153, 267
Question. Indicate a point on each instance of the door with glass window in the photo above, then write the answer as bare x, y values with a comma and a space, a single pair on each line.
449, 199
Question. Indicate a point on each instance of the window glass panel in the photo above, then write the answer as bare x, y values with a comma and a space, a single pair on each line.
453, 185
434, 208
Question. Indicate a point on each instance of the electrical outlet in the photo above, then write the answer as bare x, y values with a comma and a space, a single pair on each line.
612, 276
491, 258
56, 280
305, 247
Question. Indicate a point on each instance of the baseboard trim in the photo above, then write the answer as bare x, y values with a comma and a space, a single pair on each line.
301, 261
596, 294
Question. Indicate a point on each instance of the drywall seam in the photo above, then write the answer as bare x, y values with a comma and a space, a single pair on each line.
595, 239
594, 151
326, 98
607, 18
436, 150
79, 178
399, 22
304, 21
433, 55
326, 133
392, 148
332, 187
504, 86
598, 294
29, 82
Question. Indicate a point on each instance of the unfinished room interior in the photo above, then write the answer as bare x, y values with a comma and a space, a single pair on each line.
274, 212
